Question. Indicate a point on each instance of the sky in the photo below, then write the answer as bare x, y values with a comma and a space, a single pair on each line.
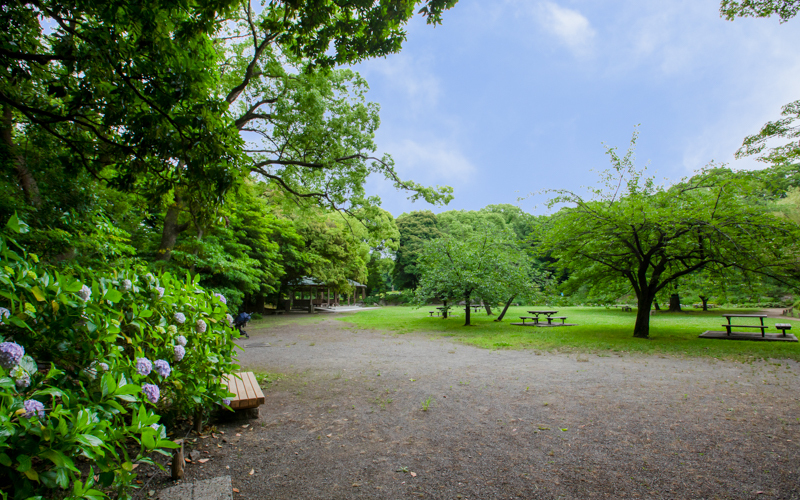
512, 97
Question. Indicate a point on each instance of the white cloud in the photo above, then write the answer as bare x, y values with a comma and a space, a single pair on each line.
407, 75
432, 162
569, 26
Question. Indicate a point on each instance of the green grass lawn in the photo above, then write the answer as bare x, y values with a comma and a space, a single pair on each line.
599, 330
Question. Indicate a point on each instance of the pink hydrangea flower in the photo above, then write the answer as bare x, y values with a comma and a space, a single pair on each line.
179, 353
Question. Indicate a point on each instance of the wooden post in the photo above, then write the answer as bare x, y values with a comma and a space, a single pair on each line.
329, 297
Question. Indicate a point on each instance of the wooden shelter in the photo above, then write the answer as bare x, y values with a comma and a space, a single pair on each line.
309, 293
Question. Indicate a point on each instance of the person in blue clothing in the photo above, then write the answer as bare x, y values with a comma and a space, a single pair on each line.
241, 320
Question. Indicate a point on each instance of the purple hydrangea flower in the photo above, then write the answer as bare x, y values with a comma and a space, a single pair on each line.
143, 366
221, 298
180, 318
160, 291
32, 408
4, 313
226, 402
85, 293
230, 320
126, 285
152, 392
201, 326
180, 339
180, 352
172, 329
162, 367
10, 354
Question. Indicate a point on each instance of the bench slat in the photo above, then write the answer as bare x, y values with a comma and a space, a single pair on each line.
248, 384
259, 394
747, 326
240, 391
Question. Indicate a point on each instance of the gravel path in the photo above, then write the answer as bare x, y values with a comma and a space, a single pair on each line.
348, 422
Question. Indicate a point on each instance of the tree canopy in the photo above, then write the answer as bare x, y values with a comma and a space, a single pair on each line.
652, 235
482, 263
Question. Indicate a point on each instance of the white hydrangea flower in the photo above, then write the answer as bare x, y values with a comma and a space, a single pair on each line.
172, 329
126, 285
230, 320
160, 291
201, 326
4, 313
85, 293
180, 340
180, 318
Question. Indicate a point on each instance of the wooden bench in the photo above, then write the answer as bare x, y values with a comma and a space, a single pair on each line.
534, 318
783, 327
551, 318
729, 326
247, 393
432, 312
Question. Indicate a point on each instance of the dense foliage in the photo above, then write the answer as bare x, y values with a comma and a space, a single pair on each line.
107, 358
651, 236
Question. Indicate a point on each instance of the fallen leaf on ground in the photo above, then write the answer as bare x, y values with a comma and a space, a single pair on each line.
252, 471
204, 460
413, 474
134, 466
238, 434
188, 460
236, 490
329, 435
245, 426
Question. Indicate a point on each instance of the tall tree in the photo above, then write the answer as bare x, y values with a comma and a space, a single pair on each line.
653, 235
415, 229
483, 263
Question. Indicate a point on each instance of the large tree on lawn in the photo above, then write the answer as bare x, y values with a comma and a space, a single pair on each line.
652, 235
484, 263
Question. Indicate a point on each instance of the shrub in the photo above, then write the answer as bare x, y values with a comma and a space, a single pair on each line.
102, 362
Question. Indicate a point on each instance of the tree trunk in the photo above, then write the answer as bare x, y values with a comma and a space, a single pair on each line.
704, 299
642, 328
26, 180
488, 309
655, 303
444, 311
674, 303
466, 310
502, 314
169, 235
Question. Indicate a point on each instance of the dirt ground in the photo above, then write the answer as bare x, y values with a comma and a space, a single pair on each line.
365, 414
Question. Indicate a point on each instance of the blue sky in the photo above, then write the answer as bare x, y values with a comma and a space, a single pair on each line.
510, 97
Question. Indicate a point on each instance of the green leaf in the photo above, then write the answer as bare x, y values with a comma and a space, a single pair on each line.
89, 440
166, 443
24, 463
113, 295
59, 459
5, 460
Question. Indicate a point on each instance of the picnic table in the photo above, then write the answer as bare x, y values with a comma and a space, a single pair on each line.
548, 315
729, 326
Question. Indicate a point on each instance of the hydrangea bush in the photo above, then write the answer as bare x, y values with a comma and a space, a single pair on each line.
90, 366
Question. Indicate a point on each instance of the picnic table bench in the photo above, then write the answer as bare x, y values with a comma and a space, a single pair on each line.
729, 326
247, 392
534, 318
783, 327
